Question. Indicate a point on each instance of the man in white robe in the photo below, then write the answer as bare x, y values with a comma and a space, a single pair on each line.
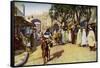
66, 36
62, 32
91, 40
79, 37
69, 36
84, 38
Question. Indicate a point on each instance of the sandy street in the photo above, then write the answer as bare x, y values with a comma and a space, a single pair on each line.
67, 53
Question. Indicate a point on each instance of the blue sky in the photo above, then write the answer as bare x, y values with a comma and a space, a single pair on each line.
33, 8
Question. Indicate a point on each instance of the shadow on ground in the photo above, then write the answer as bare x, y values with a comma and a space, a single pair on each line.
56, 55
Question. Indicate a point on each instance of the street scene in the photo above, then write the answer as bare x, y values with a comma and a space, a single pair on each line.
54, 33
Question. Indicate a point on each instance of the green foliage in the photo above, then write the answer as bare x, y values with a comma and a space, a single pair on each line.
62, 13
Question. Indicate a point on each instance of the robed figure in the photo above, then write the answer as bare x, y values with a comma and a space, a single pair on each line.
91, 39
69, 36
79, 37
84, 38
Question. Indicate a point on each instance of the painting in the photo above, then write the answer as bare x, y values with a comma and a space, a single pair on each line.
52, 33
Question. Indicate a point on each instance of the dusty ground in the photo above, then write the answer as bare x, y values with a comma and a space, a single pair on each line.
67, 53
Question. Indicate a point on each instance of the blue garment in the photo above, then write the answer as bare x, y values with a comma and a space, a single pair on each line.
28, 31
47, 33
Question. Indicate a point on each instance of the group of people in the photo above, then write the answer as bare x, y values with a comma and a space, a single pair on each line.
84, 37
88, 39
81, 37
62, 36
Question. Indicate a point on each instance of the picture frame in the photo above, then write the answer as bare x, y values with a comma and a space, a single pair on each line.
34, 24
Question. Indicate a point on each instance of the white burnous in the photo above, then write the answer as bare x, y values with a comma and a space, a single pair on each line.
91, 38
79, 37
69, 36
84, 38
66, 36
62, 31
